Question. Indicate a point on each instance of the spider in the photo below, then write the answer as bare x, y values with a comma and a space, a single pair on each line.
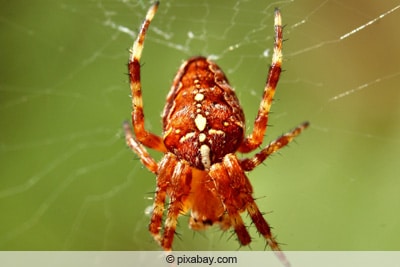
203, 128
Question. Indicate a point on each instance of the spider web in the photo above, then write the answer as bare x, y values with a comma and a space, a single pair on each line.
69, 183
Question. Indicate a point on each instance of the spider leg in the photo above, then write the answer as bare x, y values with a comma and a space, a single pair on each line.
174, 180
165, 172
230, 192
250, 163
241, 195
140, 150
265, 230
255, 139
143, 136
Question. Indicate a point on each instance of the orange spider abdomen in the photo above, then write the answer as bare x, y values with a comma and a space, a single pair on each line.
202, 119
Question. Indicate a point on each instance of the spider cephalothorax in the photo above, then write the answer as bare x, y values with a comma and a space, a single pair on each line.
203, 128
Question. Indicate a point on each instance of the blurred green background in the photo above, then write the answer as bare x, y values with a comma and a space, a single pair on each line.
68, 182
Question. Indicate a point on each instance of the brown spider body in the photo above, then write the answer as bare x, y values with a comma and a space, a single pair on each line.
202, 119
203, 128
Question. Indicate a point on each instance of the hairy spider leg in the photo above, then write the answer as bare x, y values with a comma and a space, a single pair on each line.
236, 194
231, 191
166, 168
174, 180
255, 139
139, 149
143, 136
249, 164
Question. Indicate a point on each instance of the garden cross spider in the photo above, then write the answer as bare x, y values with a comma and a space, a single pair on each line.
203, 128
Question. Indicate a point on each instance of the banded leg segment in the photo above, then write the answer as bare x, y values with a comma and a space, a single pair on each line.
143, 136
255, 139
229, 190
165, 171
140, 150
236, 194
178, 192
265, 230
249, 164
